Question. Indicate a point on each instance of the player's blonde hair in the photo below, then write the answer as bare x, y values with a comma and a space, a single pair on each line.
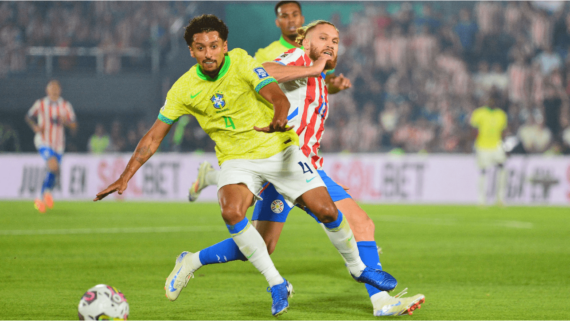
303, 31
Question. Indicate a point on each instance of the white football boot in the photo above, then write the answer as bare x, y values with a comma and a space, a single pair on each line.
396, 305
180, 275
200, 182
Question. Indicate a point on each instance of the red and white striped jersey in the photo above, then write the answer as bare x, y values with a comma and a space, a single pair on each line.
51, 118
309, 105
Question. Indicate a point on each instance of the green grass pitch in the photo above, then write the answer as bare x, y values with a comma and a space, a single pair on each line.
472, 264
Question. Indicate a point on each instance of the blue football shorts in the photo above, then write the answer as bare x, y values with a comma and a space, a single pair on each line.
274, 208
48, 153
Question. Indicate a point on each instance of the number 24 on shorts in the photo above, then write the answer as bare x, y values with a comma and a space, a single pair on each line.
303, 165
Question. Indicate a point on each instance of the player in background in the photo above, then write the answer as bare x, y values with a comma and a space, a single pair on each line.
289, 18
300, 73
48, 118
490, 122
221, 92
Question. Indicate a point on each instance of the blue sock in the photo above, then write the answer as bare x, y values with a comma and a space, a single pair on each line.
49, 182
369, 255
225, 251
334, 224
311, 213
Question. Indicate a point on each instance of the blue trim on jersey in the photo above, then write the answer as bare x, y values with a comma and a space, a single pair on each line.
47, 153
281, 63
263, 212
165, 120
264, 83
323, 75
293, 114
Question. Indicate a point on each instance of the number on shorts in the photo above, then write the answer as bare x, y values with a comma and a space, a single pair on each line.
303, 168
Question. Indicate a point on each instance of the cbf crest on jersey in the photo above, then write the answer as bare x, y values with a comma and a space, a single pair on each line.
261, 73
218, 101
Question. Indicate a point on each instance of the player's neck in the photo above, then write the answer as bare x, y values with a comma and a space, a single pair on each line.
290, 41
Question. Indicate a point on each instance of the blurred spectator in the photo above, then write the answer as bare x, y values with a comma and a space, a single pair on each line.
466, 30
566, 141
552, 108
534, 136
9, 139
427, 19
548, 60
99, 142
132, 140
118, 141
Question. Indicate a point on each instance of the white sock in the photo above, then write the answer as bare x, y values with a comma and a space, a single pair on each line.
196, 263
380, 296
251, 244
212, 177
482, 187
343, 239
501, 184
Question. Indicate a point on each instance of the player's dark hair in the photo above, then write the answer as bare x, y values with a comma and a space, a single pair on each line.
280, 3
205, 23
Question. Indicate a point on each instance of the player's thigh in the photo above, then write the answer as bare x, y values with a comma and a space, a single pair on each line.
234, 201
484, 159
361, 225
499, 156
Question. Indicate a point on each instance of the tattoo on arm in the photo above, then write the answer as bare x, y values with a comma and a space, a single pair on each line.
142, 154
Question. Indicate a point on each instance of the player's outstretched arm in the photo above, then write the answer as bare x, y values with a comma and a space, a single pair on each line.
145, 149
288, 73
273, 94
337, 83
33, 125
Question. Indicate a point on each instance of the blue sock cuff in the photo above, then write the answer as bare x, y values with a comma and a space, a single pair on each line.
334, 224
239, 227
367, 244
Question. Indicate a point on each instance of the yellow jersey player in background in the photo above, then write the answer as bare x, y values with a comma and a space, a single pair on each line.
490, 122
221, 92
289, 18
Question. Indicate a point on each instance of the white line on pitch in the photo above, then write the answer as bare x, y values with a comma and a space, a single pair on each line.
118, 230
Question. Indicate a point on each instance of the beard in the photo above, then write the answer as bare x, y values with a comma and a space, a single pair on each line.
292, 37
314, 55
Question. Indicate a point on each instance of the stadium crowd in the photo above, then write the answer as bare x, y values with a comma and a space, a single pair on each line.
416, 74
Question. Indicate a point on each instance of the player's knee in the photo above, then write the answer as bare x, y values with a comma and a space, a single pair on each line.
271, 247
232, 214
327, 213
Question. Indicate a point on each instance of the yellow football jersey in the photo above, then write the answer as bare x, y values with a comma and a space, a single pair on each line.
491, 123
227, 108
274, 50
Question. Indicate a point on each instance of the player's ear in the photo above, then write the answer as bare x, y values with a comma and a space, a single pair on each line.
191, 52
225, 46
302, 20
277, 23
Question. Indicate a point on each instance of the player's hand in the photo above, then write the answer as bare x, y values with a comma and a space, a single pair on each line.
340, 82
119, 186
36, 129
275, 126
320, 63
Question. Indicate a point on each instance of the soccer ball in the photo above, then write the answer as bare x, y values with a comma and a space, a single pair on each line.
103, 302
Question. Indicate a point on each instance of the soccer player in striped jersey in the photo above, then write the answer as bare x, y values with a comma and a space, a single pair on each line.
48, 118
221, 91
300, 73
490, 122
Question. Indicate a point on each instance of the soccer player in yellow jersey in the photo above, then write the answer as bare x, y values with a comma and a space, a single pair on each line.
289, 19
253, 145
490, 122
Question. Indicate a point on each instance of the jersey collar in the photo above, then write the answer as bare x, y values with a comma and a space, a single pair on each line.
222, 72
287, 45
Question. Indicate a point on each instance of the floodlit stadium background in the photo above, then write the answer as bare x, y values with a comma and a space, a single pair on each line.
401, 134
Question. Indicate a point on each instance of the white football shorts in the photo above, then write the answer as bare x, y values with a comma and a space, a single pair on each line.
289, 171
490, 157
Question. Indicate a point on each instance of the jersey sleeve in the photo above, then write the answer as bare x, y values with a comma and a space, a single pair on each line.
70, 113
33, 112
173, 107
293, 57
475, 118
253, 72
